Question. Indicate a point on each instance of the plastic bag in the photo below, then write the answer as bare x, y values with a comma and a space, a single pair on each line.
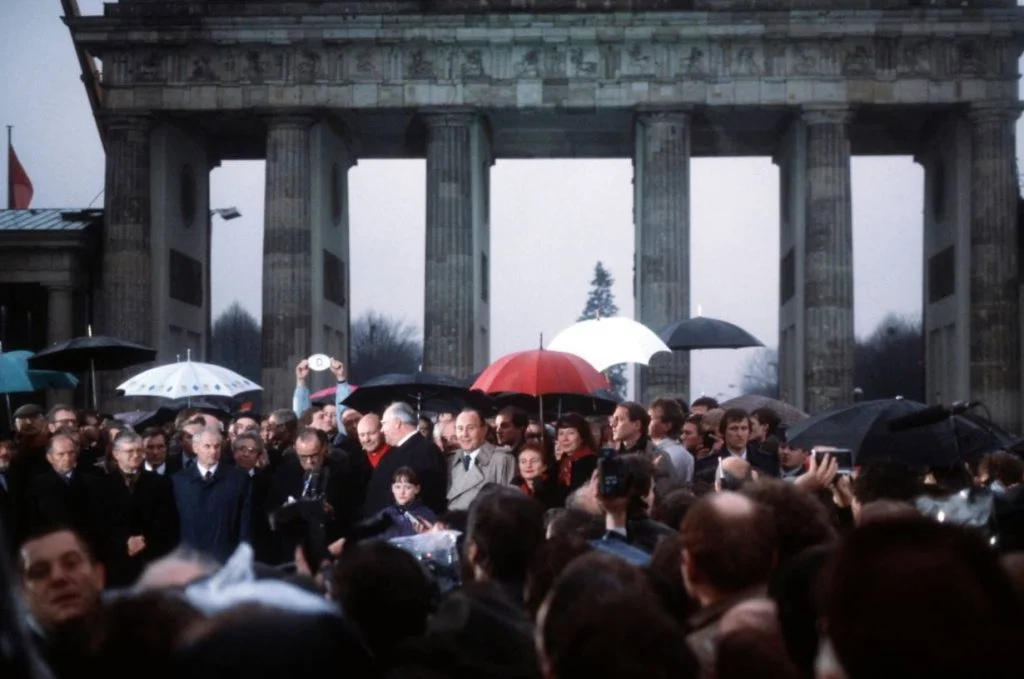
438, 552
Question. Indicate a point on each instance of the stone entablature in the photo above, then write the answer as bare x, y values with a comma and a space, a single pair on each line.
349, 7
578, 60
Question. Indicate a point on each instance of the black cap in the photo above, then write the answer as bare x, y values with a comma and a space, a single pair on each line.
28, 410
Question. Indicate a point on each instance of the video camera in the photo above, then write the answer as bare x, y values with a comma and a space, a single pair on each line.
612, 475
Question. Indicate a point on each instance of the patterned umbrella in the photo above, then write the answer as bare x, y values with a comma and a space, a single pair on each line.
188, 379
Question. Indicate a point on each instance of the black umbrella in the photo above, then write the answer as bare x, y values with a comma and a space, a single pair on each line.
601, 402
706, 333
424, 391
92, 353
874, 429
978, 437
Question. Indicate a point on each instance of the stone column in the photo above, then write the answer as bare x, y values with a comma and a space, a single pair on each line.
126, 310
994, 299
59, 327
662, 222
455, 280
127, 280
828, 277
287, 289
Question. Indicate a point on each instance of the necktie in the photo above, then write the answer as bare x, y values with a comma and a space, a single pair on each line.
67, 478
466, 461
306, 485
207, 476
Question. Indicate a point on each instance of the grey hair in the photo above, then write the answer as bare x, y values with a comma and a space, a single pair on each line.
403, 412
126, 437
210, 430
248, 435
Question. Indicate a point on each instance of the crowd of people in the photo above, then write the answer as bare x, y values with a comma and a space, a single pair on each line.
670, 539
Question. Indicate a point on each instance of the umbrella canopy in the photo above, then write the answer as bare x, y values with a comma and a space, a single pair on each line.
97, 353
706, 333
17, 378
188, 380
977, 436
604, 342
865, 429
424, 391
541, 372
789, 415
601, 402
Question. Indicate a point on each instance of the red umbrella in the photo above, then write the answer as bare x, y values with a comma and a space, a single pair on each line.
539, 372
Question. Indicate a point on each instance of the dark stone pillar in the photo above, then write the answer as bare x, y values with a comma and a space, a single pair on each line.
127, 309
452, 284
828, 280
994, 303
287, 287
662, 222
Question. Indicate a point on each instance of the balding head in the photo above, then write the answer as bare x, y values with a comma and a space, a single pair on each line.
730, 546
368, 429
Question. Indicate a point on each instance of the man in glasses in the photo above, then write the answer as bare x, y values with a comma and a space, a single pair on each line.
136, 520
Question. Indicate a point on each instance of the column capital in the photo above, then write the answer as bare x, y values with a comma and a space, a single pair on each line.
438, 118
114, 122
663, 116
995, 112
826, 115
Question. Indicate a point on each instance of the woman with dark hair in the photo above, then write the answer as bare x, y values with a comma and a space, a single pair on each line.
533, 478
574, 451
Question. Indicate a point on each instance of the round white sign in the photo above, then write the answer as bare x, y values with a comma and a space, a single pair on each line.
319, 362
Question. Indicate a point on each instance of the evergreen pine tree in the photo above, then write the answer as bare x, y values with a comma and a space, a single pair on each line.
601, 303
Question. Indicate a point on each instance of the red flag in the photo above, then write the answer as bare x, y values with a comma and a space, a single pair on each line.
19, 186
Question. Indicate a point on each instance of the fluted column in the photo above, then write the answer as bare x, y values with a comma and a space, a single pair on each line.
662, 222
451, 283
287, 287
994, 301
828, 279
127, 309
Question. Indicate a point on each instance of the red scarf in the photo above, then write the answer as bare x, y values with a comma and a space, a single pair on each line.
565, 464
376, 455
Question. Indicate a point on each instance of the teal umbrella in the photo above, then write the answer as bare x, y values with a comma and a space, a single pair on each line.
17, 378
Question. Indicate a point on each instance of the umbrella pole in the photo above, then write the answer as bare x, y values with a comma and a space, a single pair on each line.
540, 403
92, 380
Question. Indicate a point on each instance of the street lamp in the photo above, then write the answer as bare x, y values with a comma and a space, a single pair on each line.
227, 214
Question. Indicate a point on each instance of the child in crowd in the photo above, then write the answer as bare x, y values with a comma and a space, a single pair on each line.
409, 515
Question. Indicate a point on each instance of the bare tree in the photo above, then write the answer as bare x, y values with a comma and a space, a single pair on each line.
761, 374
380, 344
890, 362
236, 342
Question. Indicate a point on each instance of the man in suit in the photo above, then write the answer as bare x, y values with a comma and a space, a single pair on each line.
310, 475
408, 449
61, 495
735, 431
136, 521
213, 499
478, 463
154, 444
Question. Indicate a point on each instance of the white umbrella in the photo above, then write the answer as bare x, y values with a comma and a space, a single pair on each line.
604, 342
188, 379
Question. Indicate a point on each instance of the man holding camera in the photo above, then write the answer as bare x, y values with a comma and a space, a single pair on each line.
310, 476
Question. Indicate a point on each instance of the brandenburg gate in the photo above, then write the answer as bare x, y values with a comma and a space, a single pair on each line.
311, 87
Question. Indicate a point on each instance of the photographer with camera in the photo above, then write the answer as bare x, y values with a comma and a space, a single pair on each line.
625, 490
311, 485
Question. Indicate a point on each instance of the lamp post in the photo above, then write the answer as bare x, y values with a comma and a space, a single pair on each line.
227, 214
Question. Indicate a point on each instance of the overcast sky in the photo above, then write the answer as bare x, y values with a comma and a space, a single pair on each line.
551, 219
